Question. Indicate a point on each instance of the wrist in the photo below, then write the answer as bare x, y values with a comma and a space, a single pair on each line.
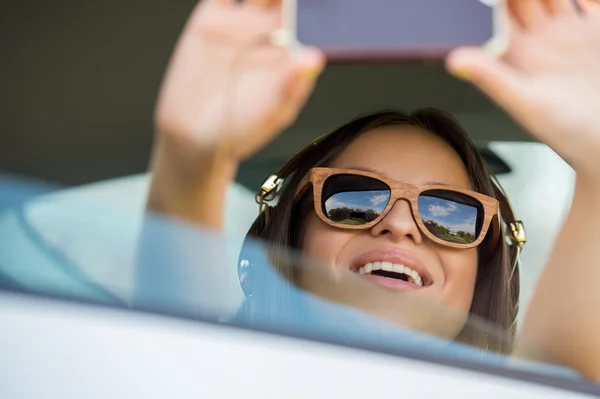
588, 184
190, 184
188, 163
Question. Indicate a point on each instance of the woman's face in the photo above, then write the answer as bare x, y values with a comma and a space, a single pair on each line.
411, 155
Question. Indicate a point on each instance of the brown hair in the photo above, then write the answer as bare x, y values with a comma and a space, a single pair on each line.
496, 291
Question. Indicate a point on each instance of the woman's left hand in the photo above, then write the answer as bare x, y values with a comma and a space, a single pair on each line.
549, 78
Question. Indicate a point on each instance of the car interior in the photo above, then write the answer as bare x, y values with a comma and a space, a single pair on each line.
79, 111
76, 119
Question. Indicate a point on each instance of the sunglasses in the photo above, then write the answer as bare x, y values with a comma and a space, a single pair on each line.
357, 200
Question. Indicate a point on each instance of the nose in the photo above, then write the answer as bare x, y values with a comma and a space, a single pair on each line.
398, 224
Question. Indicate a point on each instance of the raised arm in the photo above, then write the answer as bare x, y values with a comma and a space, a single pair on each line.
549, 81
227, 92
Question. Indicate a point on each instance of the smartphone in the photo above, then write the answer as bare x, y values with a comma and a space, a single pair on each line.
382, 30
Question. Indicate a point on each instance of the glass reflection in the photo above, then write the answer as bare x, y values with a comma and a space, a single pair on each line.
356, 207
449, 220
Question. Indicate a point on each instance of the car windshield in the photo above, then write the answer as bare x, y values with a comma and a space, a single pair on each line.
94, 118
96, 245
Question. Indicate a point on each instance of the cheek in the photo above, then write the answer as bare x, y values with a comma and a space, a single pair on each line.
320, 241
460, 270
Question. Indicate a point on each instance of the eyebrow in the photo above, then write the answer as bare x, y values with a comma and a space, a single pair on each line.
377, 172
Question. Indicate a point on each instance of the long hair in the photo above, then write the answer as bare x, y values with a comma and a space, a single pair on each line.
497, 285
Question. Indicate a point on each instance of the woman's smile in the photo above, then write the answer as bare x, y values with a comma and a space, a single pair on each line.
393, 268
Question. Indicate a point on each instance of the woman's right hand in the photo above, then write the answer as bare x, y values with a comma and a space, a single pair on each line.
227, 92
228, 89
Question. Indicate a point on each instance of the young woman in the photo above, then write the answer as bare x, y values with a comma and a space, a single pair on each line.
392, 192
391, 189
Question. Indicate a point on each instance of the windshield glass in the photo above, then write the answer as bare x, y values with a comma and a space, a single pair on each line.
68, 246
400, 200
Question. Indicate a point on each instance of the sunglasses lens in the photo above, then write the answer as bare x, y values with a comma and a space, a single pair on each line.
451, 216
354, 200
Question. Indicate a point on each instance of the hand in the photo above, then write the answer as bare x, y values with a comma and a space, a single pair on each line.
549, 79
228, 88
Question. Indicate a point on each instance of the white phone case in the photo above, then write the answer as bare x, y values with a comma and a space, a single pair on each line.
287, 36
498, 43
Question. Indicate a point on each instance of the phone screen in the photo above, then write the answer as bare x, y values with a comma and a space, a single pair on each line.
362, 30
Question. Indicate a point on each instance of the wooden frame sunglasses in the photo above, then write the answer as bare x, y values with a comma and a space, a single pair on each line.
409, 192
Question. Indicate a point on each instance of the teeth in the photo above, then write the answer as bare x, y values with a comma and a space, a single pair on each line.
398, 269
387, 266
416, 280
412, 275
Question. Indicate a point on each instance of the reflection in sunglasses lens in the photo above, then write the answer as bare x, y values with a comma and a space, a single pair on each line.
456, 220
354, 200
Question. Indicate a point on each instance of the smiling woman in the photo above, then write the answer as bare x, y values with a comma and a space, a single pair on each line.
412, 235
454, 243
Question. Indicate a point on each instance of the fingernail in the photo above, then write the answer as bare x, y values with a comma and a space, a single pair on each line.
311, 73
463, 75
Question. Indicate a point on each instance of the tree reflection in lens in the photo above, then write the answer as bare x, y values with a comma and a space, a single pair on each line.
449, 220
356, 207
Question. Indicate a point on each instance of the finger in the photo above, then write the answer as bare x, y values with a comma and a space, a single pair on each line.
561, 7
271, 8
251, 27
308, 65
527, 13
217, 2
591, 7
493, 76
263, 3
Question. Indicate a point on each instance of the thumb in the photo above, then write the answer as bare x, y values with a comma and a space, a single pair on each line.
308, 64
492, 75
